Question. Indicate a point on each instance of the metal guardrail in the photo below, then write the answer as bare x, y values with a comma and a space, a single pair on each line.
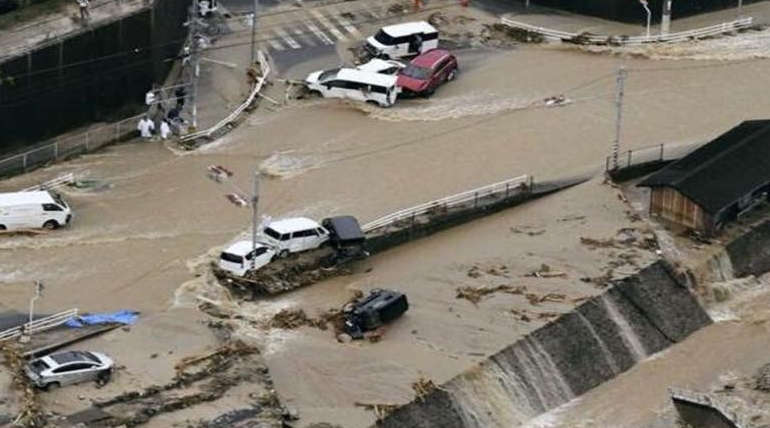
39, 325
265, 65
588, 38
709, 401
55, 183
64, 147
505, 188
658, 153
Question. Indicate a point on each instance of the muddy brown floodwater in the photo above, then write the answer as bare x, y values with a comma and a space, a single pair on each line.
134, 244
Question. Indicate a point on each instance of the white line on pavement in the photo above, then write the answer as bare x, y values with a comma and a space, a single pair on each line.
287, 38
326, 23
318, 33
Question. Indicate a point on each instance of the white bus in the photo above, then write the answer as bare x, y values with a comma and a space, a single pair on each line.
27, 210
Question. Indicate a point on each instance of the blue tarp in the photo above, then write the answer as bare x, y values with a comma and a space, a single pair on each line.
121, 317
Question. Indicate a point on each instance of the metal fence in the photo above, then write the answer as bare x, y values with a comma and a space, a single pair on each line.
587, 38
504, 189
659, 153
39, 325
67, 146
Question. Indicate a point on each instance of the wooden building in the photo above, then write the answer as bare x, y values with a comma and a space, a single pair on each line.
717, 182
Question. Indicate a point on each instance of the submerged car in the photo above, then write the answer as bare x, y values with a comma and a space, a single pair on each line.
346, 238
350, 83
67, 368
427, 72
239, 257
378, 308
382, 66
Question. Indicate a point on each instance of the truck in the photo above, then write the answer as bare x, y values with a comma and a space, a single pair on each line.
32, 210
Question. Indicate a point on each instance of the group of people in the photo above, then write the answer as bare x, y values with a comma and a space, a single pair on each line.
158, 122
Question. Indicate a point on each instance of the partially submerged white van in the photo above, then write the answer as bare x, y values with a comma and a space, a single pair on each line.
354, 84
293, 235
29, 210
239, 258
400, 40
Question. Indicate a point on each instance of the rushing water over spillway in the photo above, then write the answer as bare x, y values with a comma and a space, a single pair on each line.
607, 335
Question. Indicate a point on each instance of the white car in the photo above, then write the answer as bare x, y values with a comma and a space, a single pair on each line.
354, 84
293, 235
239, 258
382, 66
400, 40
67, 368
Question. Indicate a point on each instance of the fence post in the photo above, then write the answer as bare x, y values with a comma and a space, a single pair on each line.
24, 162
661, 152
507, 185
117, 132
475, 199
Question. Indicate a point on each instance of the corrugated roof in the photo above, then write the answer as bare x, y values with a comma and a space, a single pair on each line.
721, 172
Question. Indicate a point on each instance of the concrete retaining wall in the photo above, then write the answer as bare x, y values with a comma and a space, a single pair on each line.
603, 337
100, 74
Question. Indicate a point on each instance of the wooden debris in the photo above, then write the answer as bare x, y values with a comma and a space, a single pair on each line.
474, 294
423, 387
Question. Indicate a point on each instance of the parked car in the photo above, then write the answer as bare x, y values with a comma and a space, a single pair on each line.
382, 66
427, 72
400, 40
22, 210
354, 84
370, 312
293, 235
346, 238
239, 258
67, 368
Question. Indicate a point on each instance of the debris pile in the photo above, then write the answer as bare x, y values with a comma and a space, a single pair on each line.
289, 319
423, 387
31, 414
475, 294
502, 32
380, 410
546, 272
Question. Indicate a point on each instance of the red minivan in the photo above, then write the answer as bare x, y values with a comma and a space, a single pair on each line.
427, 71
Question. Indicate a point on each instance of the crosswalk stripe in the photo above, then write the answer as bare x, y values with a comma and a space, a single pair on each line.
318, 33
276, 45
347, 25
287, 38
326, 23
304, 37
374, 12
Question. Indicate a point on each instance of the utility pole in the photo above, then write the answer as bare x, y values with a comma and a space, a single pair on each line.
621, 80
194, 43
665, 22
740, 8
254, 202
649, 16
38, 292
254, 31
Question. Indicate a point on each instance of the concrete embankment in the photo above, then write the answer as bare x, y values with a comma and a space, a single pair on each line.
638, 316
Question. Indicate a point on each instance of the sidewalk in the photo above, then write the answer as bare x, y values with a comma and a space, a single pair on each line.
573, 23
49, 27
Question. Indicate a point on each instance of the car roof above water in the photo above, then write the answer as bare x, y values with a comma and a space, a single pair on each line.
21, 198
430, 58
241, 248
293, 224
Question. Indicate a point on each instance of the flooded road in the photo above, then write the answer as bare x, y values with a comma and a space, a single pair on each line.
133, 244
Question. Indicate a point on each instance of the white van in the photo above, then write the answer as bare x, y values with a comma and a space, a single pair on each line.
400, 40
239, 259
293, 235
354, 84
27, 210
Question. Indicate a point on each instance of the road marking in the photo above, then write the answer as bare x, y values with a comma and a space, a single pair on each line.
374, 12
318, 33
329, 26
287, 38
348, 25
304, 37
276, 44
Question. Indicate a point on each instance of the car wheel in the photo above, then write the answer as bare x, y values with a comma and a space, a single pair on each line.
2, 227
429, 93
103, 377
52, 386
452, 75
50, 225
315, 93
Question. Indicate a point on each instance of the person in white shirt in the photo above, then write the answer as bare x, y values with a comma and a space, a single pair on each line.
165, 130
145, 127
85, 14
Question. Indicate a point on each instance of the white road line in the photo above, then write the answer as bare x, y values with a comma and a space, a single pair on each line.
318, 33
374, 12
348, 25
304, 37
276, 45
287, 38
329, 26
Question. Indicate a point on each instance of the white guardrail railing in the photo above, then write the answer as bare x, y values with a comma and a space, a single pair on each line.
55, 183
39, 325
712, 402
697, 33
265, 65
505, 188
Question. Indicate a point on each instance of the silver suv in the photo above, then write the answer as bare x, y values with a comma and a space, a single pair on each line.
70, 367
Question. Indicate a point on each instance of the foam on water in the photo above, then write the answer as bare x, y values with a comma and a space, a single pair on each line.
288, 164
628, 335
476, 104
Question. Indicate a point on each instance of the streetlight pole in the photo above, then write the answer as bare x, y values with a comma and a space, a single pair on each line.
254, 31
619, 106
740, 8
649, 16
38, 292
665, 21
254, 202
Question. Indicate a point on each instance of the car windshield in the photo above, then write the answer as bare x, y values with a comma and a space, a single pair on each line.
38, 366
415, 72
272, 233
384, 38
231, 258
328, 74
91, 357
